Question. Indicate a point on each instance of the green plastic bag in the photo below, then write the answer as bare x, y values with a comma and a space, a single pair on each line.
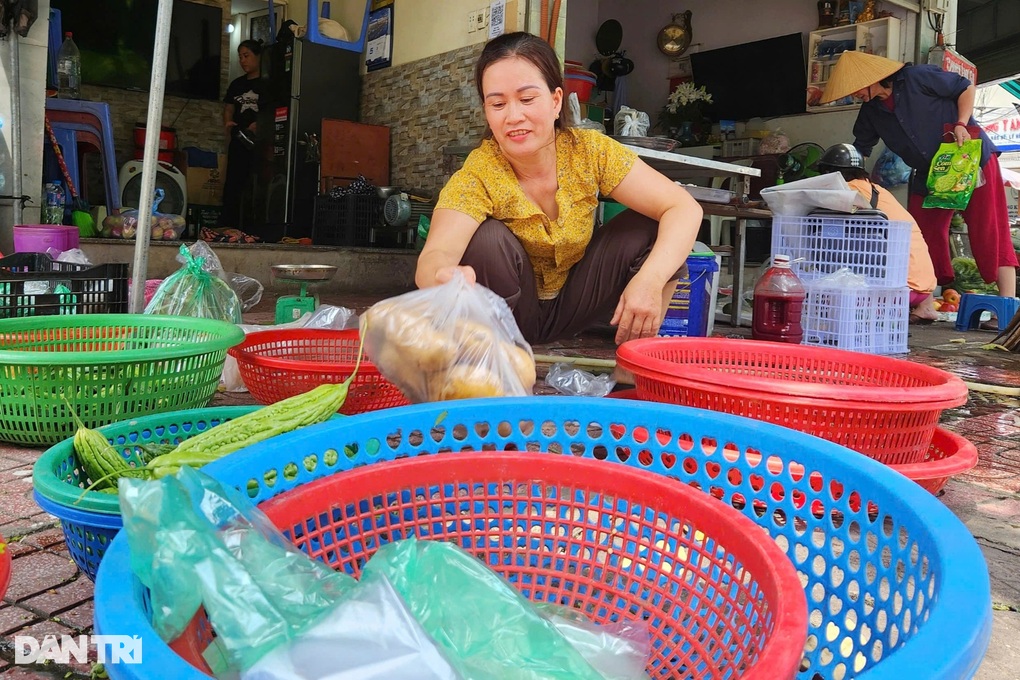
954, 175
482, 624
195, 542
194, 291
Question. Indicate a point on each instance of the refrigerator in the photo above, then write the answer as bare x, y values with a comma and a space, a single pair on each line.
305, 82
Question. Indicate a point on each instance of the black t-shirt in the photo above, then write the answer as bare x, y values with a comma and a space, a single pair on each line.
245, 94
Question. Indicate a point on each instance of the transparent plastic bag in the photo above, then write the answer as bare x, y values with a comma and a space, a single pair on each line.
193, 291
370, 635
454, 341
195, 542
163, 226
574, 116
324, 317
630, 122
249, 291
75, 255
573, 381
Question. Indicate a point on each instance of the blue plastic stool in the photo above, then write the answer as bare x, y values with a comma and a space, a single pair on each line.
971, 305
91, 117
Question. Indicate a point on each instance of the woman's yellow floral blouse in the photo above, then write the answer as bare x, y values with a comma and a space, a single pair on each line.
588, 163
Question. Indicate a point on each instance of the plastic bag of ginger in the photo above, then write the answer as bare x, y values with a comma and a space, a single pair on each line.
454, 341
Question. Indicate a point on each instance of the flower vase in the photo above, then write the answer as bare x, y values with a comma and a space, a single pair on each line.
686, 135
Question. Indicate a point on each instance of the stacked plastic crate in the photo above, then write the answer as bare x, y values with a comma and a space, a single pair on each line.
872, 318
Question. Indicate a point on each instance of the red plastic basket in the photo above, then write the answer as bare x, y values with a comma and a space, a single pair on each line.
278, 364
949, 454
885, 408
5, 567
720, 597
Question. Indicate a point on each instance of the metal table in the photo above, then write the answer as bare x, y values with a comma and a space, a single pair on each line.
679, 167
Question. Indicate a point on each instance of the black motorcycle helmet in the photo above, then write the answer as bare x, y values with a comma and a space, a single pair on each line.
843, 158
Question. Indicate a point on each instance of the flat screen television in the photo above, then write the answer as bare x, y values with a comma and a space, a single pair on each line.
765, 78
115, 38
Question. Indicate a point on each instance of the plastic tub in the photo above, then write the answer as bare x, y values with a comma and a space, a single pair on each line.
5, 567
750, 595
277, 364
894, 581
90, 519
38, 238
581, 84
107, 367
883, 407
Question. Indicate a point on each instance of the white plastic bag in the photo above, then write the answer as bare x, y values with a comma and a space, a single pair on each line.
75, 255
631, 123
454, 341
829, 191
568, 380
574, 118
325, 317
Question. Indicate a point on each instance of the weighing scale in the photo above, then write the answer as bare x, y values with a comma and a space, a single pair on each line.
291, 307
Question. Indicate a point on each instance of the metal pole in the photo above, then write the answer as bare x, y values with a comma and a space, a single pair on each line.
16, 169
153, 124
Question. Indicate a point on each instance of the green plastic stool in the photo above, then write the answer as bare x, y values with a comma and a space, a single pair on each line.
291, 307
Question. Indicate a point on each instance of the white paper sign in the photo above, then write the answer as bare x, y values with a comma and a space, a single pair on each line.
497, 18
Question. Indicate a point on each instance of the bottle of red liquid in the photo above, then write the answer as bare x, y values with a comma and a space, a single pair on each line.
778, 303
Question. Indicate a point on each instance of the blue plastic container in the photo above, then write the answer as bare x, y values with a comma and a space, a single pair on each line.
690, 308
896, 585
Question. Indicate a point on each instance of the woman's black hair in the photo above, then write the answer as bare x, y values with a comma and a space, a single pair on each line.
254, 46
532, 49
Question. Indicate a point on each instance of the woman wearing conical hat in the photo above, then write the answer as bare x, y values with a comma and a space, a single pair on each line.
913, 109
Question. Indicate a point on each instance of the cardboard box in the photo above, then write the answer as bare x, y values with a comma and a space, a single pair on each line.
205, 185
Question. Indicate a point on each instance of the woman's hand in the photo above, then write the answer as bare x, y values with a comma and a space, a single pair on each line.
639, 312
444, 274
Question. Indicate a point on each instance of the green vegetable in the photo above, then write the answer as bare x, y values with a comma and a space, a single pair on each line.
967, 278
99, 460
314, 406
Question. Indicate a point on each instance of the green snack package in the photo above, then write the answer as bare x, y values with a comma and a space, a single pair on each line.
954, 175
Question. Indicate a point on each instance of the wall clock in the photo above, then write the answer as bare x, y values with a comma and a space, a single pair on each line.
675, 37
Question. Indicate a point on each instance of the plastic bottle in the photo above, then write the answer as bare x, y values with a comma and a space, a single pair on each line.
778, 304
68, 69
53, 210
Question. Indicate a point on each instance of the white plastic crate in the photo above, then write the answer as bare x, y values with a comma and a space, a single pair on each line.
876, 249
872, 319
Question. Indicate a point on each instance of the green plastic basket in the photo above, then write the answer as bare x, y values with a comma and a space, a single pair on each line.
107, 367
90, 519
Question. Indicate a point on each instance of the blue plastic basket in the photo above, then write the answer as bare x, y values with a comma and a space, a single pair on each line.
894, 581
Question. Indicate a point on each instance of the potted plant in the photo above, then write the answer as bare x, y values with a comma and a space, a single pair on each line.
683, 116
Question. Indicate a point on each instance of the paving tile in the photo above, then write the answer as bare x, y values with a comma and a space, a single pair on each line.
81, 617
46, 538
63, 597
37, 573
13, 617
20, 547
18, 502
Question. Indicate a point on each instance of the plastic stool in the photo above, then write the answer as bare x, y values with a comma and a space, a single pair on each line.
971, 305
93, 117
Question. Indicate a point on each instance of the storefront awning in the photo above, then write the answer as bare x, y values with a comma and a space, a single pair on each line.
997, 110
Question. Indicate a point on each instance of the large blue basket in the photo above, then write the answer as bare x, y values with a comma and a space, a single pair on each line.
895, 583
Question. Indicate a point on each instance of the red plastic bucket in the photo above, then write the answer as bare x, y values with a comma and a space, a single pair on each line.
38, 238
581, 84
167, 137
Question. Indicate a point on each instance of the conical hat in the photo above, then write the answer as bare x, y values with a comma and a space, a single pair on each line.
857, 70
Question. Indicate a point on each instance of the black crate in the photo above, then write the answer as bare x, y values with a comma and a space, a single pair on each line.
345, 220
29, 287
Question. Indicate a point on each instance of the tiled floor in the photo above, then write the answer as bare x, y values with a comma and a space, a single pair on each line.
48, 595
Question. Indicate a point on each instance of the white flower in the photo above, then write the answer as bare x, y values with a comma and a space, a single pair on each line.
686, 93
